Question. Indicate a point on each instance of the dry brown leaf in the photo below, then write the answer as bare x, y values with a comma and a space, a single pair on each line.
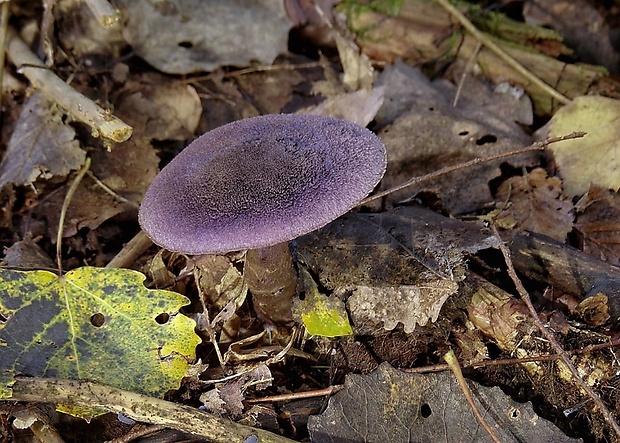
598, 223
535, 203
161, 108
42, 145
371, 307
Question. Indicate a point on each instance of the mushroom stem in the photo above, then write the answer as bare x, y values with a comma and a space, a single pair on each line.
272, 281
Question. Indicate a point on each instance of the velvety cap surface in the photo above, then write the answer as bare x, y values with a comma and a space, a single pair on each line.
261, 181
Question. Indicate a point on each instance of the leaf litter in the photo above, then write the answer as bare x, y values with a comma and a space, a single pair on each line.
405, 274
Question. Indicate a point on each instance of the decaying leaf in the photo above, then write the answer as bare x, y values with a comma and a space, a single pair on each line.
191, 36
391, 406
598, 223
595, 158
163, 109
26, 254
426, 133
93, 323
535, 203
372, 307
227, 397
321, 315
400, 266
41, 145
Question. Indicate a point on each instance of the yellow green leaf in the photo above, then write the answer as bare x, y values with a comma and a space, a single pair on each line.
99, 324
321, 315
595, 158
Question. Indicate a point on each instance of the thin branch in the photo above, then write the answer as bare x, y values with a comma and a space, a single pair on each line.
546, 332
538, 146
453, 363
493, 47
138, 407
63, 211
4, 27
77, 105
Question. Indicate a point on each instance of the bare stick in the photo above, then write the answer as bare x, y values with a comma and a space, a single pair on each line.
4, 26
104, 12
131, 251
77, 105
140, 408
453, 363
546, 332
501, 53
298, 395
63, 211
538, 146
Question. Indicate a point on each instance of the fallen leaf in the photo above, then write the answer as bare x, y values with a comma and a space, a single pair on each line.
535, 203
410, 305
161, 108
388, 405
321, 315
93, 323
359, 107
598, 223
41, 145
595, 158
190, 36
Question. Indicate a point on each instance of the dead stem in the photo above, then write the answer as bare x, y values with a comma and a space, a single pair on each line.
77, 105
501, 53
63, 211
453, 363
538, 146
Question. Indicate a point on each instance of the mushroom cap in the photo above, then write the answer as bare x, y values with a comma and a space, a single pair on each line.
260, 181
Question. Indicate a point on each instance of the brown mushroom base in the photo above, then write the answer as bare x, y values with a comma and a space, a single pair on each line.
272, 281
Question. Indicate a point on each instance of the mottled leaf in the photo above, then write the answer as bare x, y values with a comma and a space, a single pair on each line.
93, 323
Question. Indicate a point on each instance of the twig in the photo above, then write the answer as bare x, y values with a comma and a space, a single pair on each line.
104, 12
466, 70
138, 407
4, 26
325, 392
77, 105
137, 432
111, 191
63, 211
538, 146
551, 338
486, 41
453, 363
510, 361
131, 251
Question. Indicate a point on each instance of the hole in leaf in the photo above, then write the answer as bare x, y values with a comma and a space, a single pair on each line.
489, 138
162, 318
463, 133
97, 320
425, 410
186, 44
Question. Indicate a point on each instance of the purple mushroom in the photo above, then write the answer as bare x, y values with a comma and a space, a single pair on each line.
260, 182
